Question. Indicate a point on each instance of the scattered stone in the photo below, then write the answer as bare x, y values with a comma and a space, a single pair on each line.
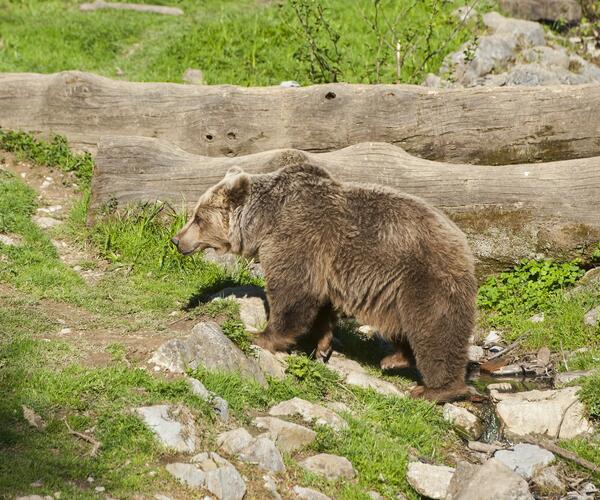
65, 331
173, 425
309, 494
547, 56
45, 222
332, 467
188, 474
221, 478
193, 76
271, 486
544, 356
289, 84
480, 447
309, 412
367, 330
463, 419
156, 9
537, 318
476, 353
525, 459
548, 481
431, 481
592, 317
233, 442
564, 378
251, 301
568, 11
500, 387
270, 364
492, 338
526, 31
33, 418
373, 495
555, 413
100, 489
10, 240
231, 263
353, 373
338, 407
263, 452
287, 436
49, 210
220, 406
490, 481
35, 497
209, 347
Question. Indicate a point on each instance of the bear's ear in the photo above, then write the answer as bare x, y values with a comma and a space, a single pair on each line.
234, 171
236, 187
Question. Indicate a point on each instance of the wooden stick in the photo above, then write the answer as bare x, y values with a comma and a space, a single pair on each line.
569, 455
95, 444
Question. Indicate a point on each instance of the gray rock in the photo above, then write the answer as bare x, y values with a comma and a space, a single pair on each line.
173, 425
271, 486
592, 317
463, 419
206, 346
500, 387
263, 452
568, 11
547, 56
189, 474
490, 481
232, 263
233, 442
193, 76
564, 378
309, 494
528, 32
332, 467
251, 301
10, 240
353, 373
309, 412
287, 436
537, 318
555, 413
226, 483
338, 407
289, 84
492, 338
476, 353
525, 459
373, 495
431, 481
220, 406
270, 364
548, 480
45, 222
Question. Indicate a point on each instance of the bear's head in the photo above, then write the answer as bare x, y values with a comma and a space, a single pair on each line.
208, 226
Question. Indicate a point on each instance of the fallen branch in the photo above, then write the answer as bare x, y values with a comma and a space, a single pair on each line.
481, 125
561, 452
508, 212
137, 7
95, 444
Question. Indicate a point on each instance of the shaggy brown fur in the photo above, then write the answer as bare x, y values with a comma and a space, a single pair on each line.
387, 258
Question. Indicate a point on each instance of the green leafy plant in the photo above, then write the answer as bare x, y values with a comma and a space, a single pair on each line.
235, 331
303, 368
596, 253
54, 153
529, 287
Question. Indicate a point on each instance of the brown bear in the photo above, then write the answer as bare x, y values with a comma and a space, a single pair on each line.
387, 258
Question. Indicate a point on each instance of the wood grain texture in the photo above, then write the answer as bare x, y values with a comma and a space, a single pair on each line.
509, 212
476, 125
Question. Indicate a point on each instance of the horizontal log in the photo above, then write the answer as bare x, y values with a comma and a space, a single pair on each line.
508, 213
136, 7
476, 125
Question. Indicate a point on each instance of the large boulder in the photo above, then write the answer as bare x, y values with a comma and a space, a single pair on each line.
525, 459
288, 437
207, 346
252, 303
555, 413
309, 412
431, 481
331, 467
527, 32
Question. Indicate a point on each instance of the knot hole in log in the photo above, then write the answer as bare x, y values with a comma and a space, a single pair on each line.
330, 95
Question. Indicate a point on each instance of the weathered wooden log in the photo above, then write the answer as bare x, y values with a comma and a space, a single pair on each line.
508, 212
475, 125
136, 7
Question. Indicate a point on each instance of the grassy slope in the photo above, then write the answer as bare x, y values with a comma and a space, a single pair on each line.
47, 374
243, 42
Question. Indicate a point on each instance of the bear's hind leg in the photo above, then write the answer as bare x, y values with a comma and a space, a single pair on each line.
402, 357
322, 332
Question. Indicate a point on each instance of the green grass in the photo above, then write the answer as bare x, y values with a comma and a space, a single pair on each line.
241, 42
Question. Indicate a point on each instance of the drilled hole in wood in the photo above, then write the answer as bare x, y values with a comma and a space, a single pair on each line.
231, 135
330, 95
209, 137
